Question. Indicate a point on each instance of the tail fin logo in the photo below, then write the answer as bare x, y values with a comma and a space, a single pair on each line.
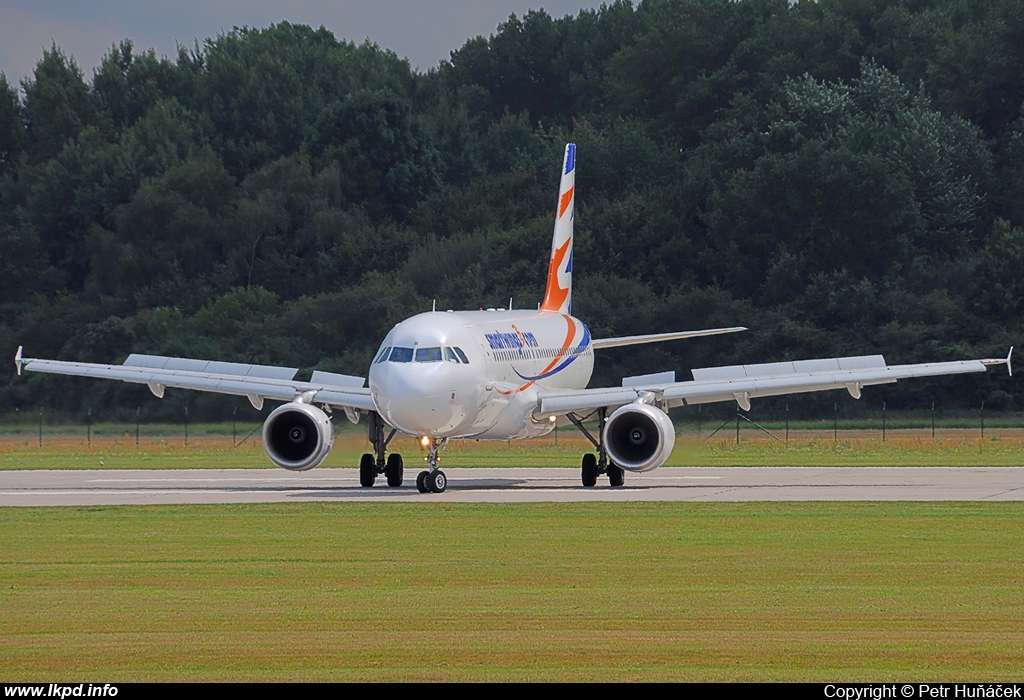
558, 296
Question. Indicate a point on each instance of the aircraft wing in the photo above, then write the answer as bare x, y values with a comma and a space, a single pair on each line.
256, 382
599, 343
741, 383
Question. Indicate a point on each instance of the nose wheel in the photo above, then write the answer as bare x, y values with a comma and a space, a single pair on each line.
434, 480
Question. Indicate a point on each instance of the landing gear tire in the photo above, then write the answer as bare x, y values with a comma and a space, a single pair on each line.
436, 481
395, 470
367, 471
589, 470
616, 475
421, 482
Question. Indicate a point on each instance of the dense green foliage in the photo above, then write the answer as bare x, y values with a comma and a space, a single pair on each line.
842, 176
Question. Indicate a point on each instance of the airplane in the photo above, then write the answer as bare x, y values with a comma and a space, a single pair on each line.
497, 375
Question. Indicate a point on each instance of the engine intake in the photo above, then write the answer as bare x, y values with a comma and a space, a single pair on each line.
639, 437
298, 436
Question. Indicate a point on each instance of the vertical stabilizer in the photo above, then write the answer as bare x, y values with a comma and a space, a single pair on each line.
558, 296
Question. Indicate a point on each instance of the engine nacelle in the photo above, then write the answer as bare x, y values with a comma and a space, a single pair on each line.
639, 437
298, 436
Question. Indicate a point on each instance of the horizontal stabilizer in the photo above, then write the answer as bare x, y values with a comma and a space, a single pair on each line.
660, 337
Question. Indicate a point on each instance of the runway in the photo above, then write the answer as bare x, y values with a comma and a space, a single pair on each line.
118, 487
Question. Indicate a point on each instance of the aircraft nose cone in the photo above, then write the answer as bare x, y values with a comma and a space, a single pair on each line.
418, 398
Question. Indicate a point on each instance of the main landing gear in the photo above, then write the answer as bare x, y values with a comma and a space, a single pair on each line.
370, 465
596, 465
433, 480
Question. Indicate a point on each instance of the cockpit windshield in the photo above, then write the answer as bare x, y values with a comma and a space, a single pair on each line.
401, 355
428, 354
432, 354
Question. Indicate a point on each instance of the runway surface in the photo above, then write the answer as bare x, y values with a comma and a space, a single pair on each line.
114, 487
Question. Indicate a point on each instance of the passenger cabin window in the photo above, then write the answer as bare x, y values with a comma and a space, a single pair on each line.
428, 354
401, 355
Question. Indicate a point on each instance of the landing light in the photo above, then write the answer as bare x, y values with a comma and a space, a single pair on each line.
553, 418
425, 441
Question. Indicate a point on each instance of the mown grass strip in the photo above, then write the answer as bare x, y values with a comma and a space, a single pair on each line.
513, 592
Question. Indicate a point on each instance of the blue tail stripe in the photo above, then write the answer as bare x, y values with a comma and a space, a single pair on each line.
570, 158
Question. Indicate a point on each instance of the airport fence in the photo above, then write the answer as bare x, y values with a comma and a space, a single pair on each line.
714, 424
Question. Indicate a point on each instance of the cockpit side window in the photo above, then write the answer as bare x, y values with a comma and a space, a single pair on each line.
462, 356
401, 355
382, 356
450, 355
428, 354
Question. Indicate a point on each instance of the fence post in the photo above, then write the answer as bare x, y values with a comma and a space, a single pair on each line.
787, 422
88, 427
983, 419
883, 421
186, 426
138, 412
737, 426
233, 412
40, 426
933, 420
835, 422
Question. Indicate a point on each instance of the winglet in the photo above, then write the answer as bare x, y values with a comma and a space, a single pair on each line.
18, 362
558, 295
1009, 367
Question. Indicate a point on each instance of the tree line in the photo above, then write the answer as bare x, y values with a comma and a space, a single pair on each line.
842, 176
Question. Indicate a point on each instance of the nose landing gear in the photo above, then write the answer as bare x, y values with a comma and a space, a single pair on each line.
433, 480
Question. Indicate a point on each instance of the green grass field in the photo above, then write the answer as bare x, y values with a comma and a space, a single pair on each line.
580, 592
538, 592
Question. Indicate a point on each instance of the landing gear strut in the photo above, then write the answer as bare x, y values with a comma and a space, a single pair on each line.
596, 465
433, 480
373, 464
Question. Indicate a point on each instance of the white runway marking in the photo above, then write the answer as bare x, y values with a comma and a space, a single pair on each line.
196, 481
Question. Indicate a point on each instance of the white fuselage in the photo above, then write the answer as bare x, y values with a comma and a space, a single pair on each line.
476, 374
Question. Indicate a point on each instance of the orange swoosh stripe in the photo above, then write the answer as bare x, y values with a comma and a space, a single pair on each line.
566, 201
558, 358
555, 295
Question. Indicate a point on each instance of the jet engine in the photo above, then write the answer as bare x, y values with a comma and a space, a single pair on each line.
639, 437
297, 436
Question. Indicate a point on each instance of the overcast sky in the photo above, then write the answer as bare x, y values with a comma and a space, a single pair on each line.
424, 31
